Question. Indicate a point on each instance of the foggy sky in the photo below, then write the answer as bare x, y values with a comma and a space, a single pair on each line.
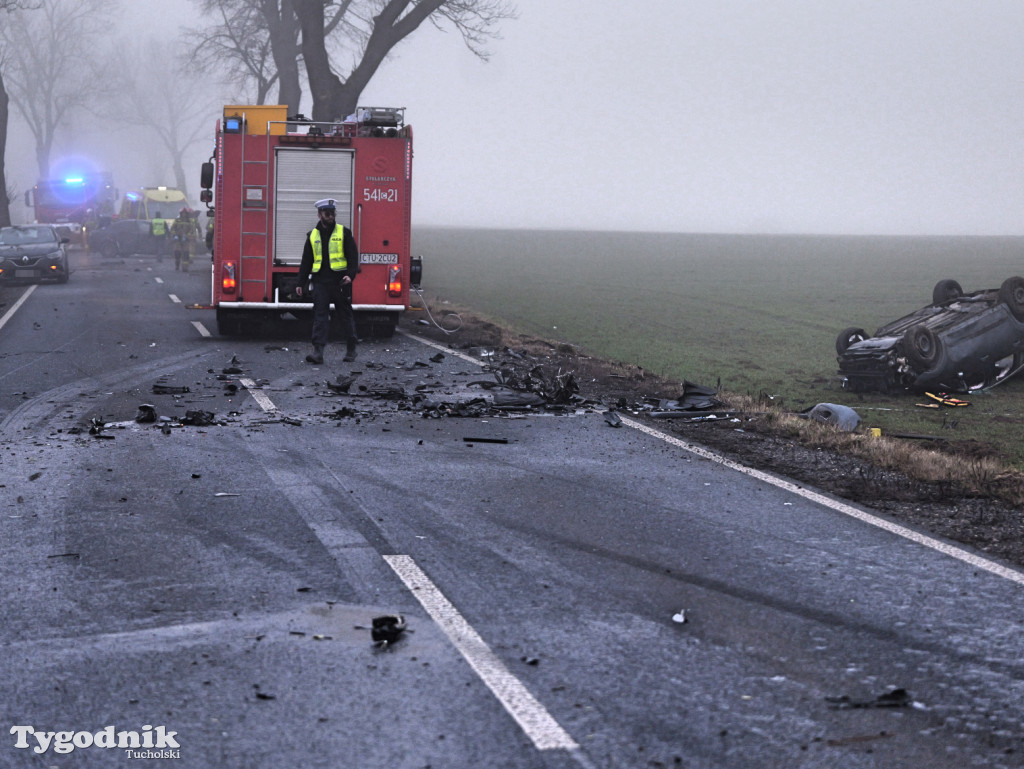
895, 117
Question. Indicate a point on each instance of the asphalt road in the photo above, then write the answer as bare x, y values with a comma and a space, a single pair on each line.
219, 581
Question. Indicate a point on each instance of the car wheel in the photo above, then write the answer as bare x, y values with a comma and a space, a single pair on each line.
946, 291
921, 346
1011, 293
848, 337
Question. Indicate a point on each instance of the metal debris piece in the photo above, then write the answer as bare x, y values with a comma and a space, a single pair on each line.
343, 383
484, 440
680, 617
896, 698
842, 417
387, 629
612, 418
437, 358
147, 413
162, 389
199, 418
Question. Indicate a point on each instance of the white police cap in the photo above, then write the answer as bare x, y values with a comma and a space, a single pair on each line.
325, 203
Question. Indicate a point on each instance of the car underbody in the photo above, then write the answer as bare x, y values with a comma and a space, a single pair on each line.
959, 343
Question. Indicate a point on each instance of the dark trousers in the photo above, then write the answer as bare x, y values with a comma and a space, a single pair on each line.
323, 295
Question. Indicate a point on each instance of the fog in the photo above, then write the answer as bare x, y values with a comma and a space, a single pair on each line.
894, 117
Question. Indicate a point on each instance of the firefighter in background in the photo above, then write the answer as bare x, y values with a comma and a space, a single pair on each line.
158, 229
183, 232
209, 232
330, 257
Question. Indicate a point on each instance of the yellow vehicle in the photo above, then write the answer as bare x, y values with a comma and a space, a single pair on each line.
153, 203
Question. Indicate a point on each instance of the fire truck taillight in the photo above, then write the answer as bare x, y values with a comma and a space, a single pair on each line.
227, 278
394, 281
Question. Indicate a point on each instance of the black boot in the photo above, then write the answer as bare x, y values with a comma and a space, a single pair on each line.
317, 356
350, 351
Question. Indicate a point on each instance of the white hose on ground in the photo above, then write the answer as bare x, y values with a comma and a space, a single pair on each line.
458, 318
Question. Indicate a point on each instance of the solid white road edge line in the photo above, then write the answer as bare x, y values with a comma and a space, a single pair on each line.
10, 313
840, 507
203, 331
534, 719
441, 347
265, 403
901, 531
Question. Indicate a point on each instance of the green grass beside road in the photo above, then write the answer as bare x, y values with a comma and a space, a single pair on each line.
754, 314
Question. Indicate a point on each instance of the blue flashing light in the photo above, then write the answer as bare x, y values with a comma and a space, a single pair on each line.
74, 180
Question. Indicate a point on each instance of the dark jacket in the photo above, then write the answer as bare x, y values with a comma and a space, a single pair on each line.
326, 274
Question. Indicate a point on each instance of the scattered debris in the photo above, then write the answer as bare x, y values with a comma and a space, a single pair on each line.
679, 617
896, 698
163, 389
947, 400
612, 418
199, 418
343, 383
387, 629
484, 440
147, 413
842, 417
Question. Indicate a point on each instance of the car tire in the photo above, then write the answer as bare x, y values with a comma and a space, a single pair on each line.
946, 291
847, 337
921, 346
1011, 293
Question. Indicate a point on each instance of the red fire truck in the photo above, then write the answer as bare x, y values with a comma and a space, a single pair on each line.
74, 201
267, 172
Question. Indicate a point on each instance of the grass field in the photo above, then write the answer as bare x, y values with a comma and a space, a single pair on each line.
751, 313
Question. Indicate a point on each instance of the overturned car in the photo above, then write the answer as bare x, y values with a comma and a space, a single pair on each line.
959, 343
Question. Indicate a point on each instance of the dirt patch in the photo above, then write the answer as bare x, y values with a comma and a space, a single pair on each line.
975, 513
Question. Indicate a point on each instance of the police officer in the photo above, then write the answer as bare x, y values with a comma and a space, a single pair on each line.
330, 258
158, 229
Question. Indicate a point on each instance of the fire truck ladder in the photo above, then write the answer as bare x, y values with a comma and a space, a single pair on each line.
254, 245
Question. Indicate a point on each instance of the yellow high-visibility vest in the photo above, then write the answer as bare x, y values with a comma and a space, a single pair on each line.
336, 249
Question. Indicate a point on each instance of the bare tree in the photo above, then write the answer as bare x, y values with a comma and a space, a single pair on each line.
361, 31
257, 41
389, 22
51, 67
239, 44
5, 198
167, 101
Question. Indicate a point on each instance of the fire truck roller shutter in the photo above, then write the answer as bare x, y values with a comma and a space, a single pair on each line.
304, 176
